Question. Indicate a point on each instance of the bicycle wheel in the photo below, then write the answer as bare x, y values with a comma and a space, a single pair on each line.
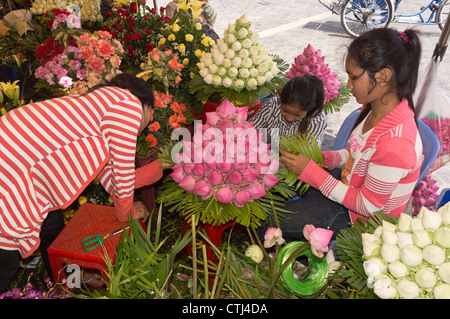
442, 13
359, 16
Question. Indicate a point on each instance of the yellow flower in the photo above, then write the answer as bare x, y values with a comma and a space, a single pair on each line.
11, 90
171, 37
198, 26
2, 111
192, 75
175, 27
161, 41
82, 200
189, 37
205, 41
183, 5
198, 53
182, 48
185, 61
196, 9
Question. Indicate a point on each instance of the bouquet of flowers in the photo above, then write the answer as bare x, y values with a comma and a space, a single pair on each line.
138, 28
225, 173
312, 62
238, 67
167, 116
87, 10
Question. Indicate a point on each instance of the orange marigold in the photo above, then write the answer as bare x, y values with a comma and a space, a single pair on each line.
152, 140
154, 127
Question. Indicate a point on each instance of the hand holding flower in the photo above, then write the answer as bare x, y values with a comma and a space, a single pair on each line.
295, 163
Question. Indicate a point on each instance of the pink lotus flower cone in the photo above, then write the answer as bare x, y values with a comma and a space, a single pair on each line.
198, 170
250, 174
242, 113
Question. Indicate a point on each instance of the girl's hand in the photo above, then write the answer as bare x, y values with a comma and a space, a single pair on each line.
295, 163
141, 211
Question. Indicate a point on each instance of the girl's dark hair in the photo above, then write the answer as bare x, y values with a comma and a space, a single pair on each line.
137, 86
306, 92
387, 48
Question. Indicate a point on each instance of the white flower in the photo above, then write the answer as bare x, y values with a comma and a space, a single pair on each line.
242, 33
243, 19
404, 239
253, 50
208, 79
444, 272
425, 277
207, 60
256, 59
411, 255
243, 53
254, 72
237, 61
442, 291
431, 220
227, 63
390, 253
404, 223
247, 62
227, 82
378, 231
252, 84
200, 65
408, 289
374, 267
442, 236
232, 72
254, 37
255, 253
222, 71
421, 238
398, 269
384, 288
236, 46
369, 242
445, 213
389, 237
261, 80
230, 38
435, 255
217, 80
239, 84
203, 72
231, 28
416, 224
387, 226
244, 73
219, 58
213, 68
263, 68
268, 76
274, 70
230, 54
247, 43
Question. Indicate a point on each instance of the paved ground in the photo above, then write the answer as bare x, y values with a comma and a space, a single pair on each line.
288, 26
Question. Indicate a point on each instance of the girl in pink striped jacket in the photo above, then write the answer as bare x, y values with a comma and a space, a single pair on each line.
382, 163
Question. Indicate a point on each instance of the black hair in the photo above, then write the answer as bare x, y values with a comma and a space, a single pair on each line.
307, 92
137, 86
387, 48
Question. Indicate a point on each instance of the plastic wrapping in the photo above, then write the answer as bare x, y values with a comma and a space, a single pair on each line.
433, 108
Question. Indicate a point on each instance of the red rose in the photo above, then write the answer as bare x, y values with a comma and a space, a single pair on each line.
133, 7
127, 37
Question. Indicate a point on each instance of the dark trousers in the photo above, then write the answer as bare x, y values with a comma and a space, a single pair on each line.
10, 259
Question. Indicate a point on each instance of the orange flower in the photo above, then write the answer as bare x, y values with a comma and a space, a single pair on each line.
181, 119
152, 140
155, 55
166, 98
173, 63
177, 79
154, 127
176, 107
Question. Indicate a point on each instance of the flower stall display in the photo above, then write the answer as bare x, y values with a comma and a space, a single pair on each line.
239, 67
312, 62
409, 259
225, 173
87, 10
138, 28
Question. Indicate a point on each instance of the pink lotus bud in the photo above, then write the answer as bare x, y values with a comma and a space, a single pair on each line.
225, 124
187, 183
226, 109
211, 164
214, 178
318, 238
417, 193
421, 186
225, 166
304, 69
273, 236
225, 195
198, 170
177, 175
202, 188
419, 201
250, 174
311, 61
212, 118
261, 168
240, 166
270, 180
300, 59
309, 50
241, 198
256, 190
241, 115
235, 178
188, 167
289, 74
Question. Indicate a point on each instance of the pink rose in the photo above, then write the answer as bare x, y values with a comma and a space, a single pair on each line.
225, 195
318, 238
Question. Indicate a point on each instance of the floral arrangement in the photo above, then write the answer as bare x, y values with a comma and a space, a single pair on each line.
424, 195
163, 68
28, 292
312, 62
138, 28
238, 67
167, 116
12, 93
409, 260
88, 10
222, 175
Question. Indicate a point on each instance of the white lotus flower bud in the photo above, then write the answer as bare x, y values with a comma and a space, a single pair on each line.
416, 224
200, 65
387, 226
231, 28
389, 237
444, 272
442, 291
208, 79
445, 213
390, 253
431, 220
242, 33
404, 222
244, 73
274, 70
254, 37
236, 46
227, 82
252, 84
268, 76
223, 47
243, 53
239, 84
378, 231
232, 72
425, 277
247, 63
408, 289
227, 63
218, 59
230, 38
404, 239
243, 19
255, 253
254, 72
374, 267
421, 238
261, 80
222, 71
217, 80
207, 61
237, 61
253, 50
435, 255
398, 269
256, 60
247, 43
230, 54
213, 68
384, 288
370, 243
442, 236
411, 255
203, 72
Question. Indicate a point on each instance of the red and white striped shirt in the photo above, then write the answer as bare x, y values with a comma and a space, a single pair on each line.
384, 175
51, 150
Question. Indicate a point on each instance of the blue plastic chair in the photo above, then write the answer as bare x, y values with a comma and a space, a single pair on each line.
430, 141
